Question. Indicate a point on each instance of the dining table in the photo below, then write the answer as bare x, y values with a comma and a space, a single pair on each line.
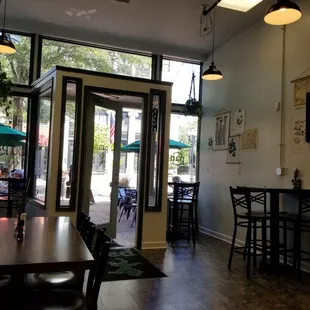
274, 203
50, 244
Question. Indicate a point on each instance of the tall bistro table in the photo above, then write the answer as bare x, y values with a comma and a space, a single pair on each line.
274, 196
50, 245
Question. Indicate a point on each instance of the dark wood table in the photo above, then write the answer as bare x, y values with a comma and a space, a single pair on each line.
50, 244
274, 196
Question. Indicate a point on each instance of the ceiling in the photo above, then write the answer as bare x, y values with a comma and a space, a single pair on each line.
159, 26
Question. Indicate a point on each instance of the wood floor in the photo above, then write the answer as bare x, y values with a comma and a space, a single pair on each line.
198, 279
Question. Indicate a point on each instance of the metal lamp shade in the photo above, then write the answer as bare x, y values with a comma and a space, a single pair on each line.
284, 12
212, 74
6, 45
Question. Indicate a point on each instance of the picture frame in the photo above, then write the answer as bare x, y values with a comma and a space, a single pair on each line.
221, 131
233, 152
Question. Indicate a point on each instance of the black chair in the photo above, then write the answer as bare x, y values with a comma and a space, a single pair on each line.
252, 221
70, 278
69, 299
299, 223
185, 197
128, 203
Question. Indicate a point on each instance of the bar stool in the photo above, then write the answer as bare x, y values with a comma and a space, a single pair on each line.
245, 217
300, 224
184, 201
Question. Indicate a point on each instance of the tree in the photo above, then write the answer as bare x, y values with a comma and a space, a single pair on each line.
17, 67
101, 142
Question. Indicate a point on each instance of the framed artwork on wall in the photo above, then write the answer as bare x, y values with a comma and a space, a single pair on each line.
238, 123
221, 131
301, 88
233, 152
308, 118
250, 140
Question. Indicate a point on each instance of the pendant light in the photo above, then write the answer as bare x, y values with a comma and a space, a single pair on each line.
6, 45
282, 13
212, 74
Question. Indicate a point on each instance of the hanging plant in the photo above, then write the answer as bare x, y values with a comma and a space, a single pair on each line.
5, 93
193, 106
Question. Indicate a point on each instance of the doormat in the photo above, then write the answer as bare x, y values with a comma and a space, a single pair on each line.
129, 264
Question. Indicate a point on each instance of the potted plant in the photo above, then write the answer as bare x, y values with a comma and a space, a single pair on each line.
192, 105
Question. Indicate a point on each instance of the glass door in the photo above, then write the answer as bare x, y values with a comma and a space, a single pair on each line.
104, 121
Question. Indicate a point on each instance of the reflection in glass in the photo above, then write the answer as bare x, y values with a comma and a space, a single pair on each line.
42, 145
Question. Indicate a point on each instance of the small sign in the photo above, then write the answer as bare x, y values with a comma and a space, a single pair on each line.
177, 159
154, 119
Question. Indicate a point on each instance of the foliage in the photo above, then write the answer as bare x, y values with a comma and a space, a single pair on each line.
193, 107
5, 93
101, 142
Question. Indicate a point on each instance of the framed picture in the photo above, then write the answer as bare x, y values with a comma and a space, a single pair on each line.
238, 122
250, 140
221, 131
233, 152
301, 88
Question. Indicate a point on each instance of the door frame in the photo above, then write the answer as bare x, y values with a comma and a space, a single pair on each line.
143, 197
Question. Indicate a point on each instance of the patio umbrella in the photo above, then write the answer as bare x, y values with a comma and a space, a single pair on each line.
11, 137
135, 146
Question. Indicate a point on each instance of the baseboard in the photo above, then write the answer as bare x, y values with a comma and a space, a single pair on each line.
215, 234
219, 235
154, 245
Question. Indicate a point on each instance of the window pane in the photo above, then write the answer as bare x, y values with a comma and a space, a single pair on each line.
13, 157
182, 163
67, 178
95, 59
42, 145
17, 66
180, 74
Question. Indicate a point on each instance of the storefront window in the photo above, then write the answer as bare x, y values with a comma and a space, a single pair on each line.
95, 59
182, 163
42, 145
180, 74
17, 66
12, 151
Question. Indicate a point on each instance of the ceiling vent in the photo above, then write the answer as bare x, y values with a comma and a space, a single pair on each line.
121, 1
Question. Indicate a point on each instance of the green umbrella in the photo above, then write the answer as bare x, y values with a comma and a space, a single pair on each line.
135, 146
11, 137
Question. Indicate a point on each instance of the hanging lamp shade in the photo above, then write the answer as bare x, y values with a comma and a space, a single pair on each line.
212, 74
6, 45
282, 13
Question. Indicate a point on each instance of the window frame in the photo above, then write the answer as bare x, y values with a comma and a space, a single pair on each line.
76, 143
31, 56
33, 136
91, 45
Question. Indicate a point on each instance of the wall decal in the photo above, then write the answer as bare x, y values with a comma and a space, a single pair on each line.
238, 123
210, 144
301, 87
221, 134
250, 140
233, 152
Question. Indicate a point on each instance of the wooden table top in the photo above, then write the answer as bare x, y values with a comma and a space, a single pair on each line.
50, 244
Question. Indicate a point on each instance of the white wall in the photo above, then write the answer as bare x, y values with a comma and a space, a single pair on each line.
252, 67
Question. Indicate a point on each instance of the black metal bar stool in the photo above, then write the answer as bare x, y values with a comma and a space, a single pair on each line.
184, 202
245, 217
299, 223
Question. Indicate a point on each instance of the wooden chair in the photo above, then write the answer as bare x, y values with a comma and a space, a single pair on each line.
68, 299
252, 221
185, 197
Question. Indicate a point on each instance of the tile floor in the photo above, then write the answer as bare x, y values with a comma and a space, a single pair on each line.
198, 279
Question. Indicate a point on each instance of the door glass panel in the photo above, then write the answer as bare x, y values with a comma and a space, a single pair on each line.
102, 166
68, 136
